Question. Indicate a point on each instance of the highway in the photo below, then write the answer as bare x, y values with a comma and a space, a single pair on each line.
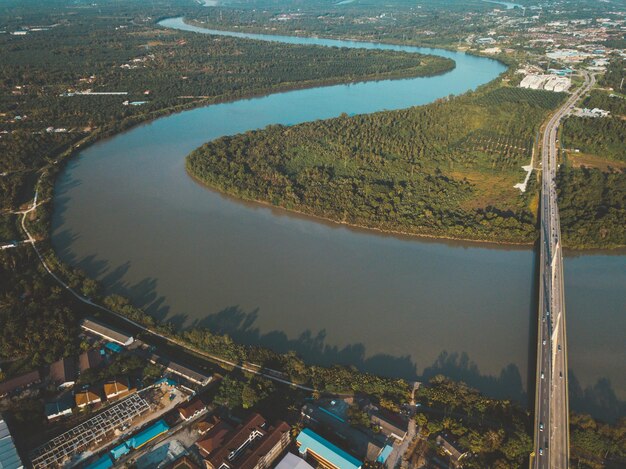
551, 433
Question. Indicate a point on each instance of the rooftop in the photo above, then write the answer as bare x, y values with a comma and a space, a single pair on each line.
291, 461
110, 333
20, 381
9, 459
308, 440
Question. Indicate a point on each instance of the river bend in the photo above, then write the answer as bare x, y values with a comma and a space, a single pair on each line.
127, 213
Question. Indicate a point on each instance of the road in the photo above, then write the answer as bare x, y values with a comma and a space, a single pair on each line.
551, 439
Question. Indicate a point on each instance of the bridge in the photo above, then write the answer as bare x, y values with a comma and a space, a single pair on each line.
551, 433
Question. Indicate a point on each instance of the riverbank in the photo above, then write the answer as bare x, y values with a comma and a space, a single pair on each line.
282, 282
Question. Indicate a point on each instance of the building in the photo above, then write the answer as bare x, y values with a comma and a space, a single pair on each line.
9, 459
85, 398
191, 409
390, 425
184, 462
116, 389
180, 370
146, 436
107, 332
451, 448
19, 383
89, 359
324, 452
249, 446
291, 461
63, 372
60, 408
214, 439
207, 424
332, 415
102, 463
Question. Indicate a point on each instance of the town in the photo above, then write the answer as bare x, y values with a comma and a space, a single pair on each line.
102, 414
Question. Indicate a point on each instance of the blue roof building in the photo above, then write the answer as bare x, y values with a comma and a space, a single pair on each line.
322, 450
148, 435
103, 463
384, 454
120, 451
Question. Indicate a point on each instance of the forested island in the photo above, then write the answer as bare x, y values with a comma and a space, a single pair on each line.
447, 169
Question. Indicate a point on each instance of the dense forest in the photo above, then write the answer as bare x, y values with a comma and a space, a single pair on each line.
592, 206
583, 134
119, 48
444, 169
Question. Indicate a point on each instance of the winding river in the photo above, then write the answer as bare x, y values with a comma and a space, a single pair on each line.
127, 213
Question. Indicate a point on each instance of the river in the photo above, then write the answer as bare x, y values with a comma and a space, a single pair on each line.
127, 213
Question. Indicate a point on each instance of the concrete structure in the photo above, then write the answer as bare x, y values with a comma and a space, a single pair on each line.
551, 438
19, 383
554, 83
63, 373
324, 452
107, 332
291, 461
9, 459
59, 450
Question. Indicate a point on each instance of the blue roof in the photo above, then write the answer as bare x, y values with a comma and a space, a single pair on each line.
113, 347
120, 451
148, 434
103, 463
63, 404
308, 439
384, 454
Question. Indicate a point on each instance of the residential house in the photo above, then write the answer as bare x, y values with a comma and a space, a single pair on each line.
191, 409
85, 398
116, 389
452, 448
63, 372
90, 359
60, 408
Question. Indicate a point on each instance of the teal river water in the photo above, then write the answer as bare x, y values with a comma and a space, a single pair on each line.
128, 214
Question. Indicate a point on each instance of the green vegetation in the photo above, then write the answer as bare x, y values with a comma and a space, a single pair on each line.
592, 206
444, 169
614, 103
615, 73
602, 136
119, 48
498, 432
